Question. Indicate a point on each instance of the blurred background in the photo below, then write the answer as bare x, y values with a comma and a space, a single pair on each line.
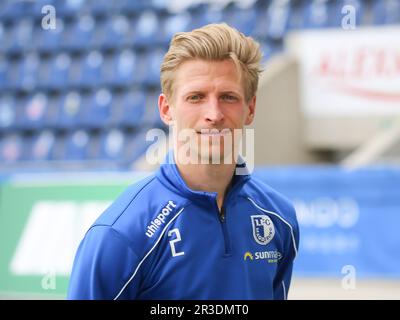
79, 82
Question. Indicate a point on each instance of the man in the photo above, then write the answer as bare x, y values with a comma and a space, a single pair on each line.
196, 229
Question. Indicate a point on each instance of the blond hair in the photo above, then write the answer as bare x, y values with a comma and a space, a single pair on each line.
213, 42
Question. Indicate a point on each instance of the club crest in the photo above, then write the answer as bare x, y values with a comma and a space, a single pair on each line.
263, 229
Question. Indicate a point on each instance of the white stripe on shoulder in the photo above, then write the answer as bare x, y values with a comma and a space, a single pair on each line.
148, 253
278, 216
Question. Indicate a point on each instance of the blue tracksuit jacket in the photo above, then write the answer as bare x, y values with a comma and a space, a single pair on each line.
162, 240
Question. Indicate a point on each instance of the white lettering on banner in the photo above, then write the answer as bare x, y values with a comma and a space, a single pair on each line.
51, 236
326, 212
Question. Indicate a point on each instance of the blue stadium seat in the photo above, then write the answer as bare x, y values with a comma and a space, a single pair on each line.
128, 109
79, 34
40, 146
132, 6
34, 111
151, 116
117, 32
278, 17
112, 144
97, 111
179, 22
11, 10
7, 112
90, 73
209, 15
3, 72
56, 73
100, 7
317, 14
136, 145
28, 71
151, 68
3, 36
20, 36
11, 148
243, 19
147, 29
386, 12
70, 8
70, 110
50, 40
122, 68
77, 145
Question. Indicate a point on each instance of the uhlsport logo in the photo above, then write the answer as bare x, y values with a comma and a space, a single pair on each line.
263, 229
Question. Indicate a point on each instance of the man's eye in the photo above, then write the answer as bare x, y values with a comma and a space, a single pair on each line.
229, 97
195, 97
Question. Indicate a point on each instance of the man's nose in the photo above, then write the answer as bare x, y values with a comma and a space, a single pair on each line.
214, 113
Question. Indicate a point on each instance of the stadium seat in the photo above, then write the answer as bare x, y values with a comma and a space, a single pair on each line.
151, 68
90, 69
3, 72
117, 32
79, 33
11, 148
20, 36
69, 8
70, 110
151, 117
112, 144
40, 146
56, 71
120, 68
173, 23
28, 71
77, 145
146, 30
386, 12
136, 146
97, 110
277, 22
49, 40
7, 112
243, 19
317, 13
128, 109
34, 111
132, 6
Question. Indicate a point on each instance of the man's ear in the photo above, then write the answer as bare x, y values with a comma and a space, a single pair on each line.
251, 111
165, 109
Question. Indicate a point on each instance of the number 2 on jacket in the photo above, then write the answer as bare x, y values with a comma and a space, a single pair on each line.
172, 242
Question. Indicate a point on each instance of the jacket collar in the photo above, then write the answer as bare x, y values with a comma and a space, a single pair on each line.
169, 175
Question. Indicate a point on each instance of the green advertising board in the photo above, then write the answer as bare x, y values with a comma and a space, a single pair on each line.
42, 221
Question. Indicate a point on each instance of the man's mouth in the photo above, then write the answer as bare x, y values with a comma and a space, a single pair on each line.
214, 132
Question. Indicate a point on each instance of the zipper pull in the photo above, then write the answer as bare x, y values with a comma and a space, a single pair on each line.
222, 214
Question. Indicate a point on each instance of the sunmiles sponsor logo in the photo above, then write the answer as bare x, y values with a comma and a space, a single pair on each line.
269, 256
159, 221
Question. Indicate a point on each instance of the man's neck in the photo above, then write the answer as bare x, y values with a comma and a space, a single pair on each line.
208, 177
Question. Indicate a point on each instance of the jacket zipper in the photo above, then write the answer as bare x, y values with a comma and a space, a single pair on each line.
222, 219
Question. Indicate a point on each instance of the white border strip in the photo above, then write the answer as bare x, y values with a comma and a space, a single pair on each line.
284, 291
277, 215
148, 253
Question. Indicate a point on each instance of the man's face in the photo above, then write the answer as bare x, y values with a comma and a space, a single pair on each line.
208, 101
